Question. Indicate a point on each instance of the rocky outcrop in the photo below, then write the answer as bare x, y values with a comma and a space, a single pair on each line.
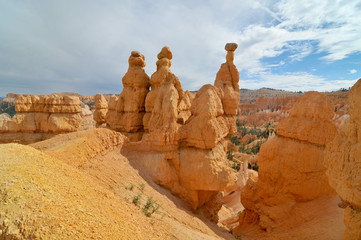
51, 114
101, 109
291, 164
343, 163
183, 148
127, 114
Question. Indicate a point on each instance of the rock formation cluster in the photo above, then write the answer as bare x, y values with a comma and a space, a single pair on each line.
291, 164
183, 147
343, 163
43, 114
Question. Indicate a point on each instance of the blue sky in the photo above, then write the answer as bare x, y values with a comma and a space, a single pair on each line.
83, 45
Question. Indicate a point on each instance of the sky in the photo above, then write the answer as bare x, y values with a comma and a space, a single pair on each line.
83, 46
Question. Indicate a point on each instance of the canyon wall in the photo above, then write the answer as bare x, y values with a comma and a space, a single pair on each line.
343, 163
291, 164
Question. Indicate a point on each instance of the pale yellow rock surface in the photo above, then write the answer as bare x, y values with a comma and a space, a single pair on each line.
291, 167
343, 163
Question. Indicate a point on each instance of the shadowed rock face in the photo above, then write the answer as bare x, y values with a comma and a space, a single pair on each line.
343, 163
126, 112
291, 164
45, 114
184, 147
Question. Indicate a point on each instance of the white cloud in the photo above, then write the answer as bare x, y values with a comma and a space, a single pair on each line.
296, 81
332, 27
353, 71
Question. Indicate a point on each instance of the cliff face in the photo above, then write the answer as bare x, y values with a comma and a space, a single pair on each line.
44, 114
343, 163
291, 164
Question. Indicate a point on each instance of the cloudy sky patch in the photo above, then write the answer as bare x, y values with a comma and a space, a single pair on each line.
83, 46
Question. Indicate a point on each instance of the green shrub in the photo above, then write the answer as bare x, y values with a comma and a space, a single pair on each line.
136, 199
234, 140
255, 167
236, 166
150, 207
255, 149
230, 155
130, 187
142, 186
8, 108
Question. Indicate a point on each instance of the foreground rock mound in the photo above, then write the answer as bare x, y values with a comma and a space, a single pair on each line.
48, 199
291, 164
343, 163
77, 148
41, 116
44, 198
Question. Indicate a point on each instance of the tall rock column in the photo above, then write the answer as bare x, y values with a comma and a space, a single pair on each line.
227, 80
101, 109
204, 168
163, 104
291, 164
343, 163
130, 107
